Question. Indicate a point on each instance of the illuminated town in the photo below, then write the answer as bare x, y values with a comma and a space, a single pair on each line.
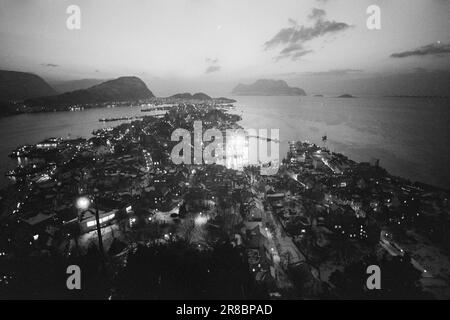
224, 158
295, 234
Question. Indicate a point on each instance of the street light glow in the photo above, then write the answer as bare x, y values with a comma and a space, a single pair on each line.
200, 220
83, 203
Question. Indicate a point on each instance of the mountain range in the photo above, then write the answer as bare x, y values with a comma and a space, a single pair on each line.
120, 89
25, 92
17, 86
72, 85
268, 87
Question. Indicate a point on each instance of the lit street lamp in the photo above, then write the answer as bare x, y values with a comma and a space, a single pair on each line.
83, 203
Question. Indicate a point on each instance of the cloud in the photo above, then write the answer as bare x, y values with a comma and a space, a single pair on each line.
317, 14
51, 65
334, 72
211, 60
291, 48
213, 65
294, 51
293, 37
211, 69
433, 49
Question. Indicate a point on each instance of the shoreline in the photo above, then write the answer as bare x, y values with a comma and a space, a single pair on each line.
136, 166
419, 183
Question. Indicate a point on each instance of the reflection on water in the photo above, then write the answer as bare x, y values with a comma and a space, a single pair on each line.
236, 150
251, 147
409, 136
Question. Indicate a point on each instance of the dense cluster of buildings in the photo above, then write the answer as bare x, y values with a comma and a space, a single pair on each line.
338, 211
319, 207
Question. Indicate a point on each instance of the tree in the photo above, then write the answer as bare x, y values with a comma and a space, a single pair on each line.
179, 271
399, 279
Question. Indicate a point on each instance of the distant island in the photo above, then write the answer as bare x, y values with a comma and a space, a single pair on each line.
346, 95
318, 95
120, 89
189, 96
268, 87
199, 96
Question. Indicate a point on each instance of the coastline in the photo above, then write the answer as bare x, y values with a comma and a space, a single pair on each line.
313, 171
130, 118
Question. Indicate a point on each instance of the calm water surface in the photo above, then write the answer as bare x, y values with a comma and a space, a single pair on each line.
411, 137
